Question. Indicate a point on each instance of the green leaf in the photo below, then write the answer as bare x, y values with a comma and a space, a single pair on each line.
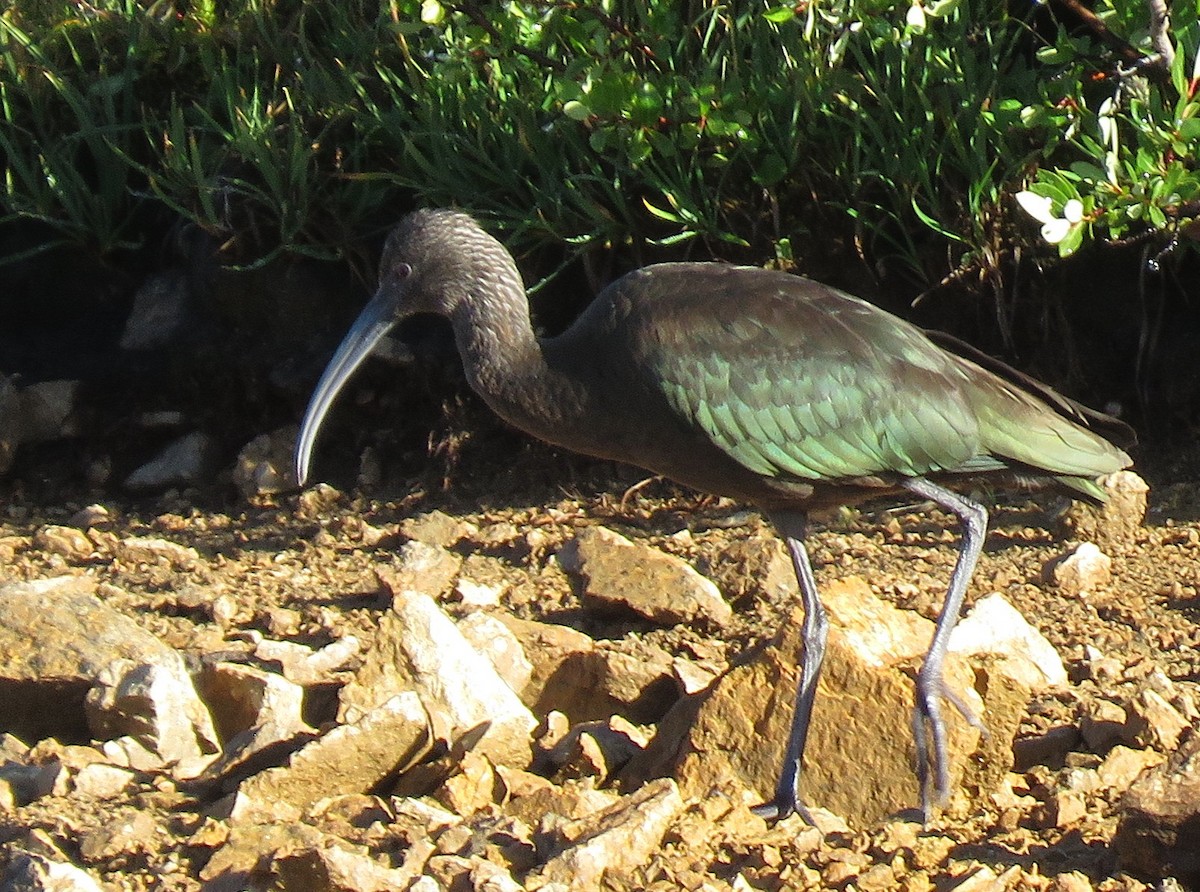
780, 14
576, 110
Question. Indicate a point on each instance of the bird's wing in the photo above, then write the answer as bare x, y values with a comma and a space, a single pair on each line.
794, 379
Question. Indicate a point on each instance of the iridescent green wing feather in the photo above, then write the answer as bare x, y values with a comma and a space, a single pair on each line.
793, 379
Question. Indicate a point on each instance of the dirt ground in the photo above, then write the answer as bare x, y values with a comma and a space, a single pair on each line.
258, 560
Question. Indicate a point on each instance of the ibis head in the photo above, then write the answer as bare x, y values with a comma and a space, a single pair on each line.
432, 262
752, 384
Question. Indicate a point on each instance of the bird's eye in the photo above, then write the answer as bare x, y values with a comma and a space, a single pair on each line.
402, 270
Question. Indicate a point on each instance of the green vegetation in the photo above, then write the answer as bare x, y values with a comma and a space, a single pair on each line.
752, 130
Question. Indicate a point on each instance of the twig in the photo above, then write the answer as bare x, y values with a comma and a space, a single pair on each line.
1152, 66
1160, 26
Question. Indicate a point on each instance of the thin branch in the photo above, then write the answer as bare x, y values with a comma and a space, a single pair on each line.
1160, 27
1152, 66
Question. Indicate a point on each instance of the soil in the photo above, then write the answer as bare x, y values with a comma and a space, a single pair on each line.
258, 559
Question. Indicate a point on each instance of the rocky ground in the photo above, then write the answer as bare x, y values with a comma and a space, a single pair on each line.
519, 749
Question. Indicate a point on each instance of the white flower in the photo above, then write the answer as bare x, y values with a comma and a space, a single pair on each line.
1040, 207
915, 18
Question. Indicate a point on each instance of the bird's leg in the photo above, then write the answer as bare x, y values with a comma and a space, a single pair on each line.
793, 526
928, 725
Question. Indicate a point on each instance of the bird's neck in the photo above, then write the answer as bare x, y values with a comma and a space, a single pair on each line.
506, 365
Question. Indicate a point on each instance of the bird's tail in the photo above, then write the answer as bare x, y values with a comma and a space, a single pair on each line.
1045, 432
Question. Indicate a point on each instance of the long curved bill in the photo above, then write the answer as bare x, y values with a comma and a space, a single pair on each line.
376, 320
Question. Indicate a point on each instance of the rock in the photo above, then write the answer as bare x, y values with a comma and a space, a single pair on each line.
1102, 725
1086, 570
69, 542
34, 414
160, 312
1154, 722
418, 647
592, 749
571, 674
90, 516
617, 840
183, 462
995, 627
437, 528
1115, 525
57, 644
621, 576
741, 724
496, 641
155, 704
489, 877
567, 669
1049, 748
126, 832
264, 466
330, 866
1064, 809
1122, 766
478, 594
421, 567
254, 711
1073, 881
244, 851
302, 665
100, 781
692, 677
154, 550
28, 872
474, 787
316, 500
751, 565
351, 758
1158, 834
29, 781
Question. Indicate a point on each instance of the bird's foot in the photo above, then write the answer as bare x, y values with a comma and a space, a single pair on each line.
779, 808
929, 732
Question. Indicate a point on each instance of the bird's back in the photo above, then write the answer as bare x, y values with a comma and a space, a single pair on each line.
802, 385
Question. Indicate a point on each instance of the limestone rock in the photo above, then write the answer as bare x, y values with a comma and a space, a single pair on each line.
302, 665
28, 872
421, 567
571, 674
1154, 722
58, 643
1122, 766
184, 461
496, 641
34, 414
1115, 525
351, 758
1159, 831
265, 465
155, 704
1103, 725
69, 542
861, 722
623, 576
436, 528
617, 840
1086, 570
995, 627
418, 647
155, 550
331, 866
256, 713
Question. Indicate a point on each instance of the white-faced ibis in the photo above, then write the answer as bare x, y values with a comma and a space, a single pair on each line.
758, 385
